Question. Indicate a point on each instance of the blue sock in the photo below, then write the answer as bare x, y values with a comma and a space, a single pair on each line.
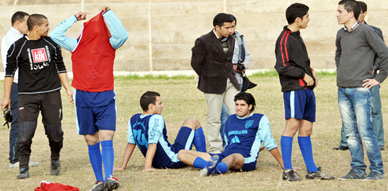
96, 161
199, 163
221, 168
286, 144
307, 152
199, 140
108, 156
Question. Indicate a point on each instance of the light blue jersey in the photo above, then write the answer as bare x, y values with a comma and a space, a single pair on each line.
149, 129
118, 32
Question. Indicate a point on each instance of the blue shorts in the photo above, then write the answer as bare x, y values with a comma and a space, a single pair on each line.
300, 104
95, 111
184, 140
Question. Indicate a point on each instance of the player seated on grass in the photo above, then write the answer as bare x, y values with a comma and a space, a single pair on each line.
243, 133
148, 131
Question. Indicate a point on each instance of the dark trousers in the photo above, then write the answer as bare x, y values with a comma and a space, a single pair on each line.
13, 135
50, 106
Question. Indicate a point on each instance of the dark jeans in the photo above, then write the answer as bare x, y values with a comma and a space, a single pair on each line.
50, 106
13, 135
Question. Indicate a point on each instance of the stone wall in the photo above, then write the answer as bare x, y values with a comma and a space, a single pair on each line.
162, 32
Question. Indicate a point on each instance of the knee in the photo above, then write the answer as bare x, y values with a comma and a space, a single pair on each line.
290, 130
54, 132
181, 155
191, 123
305, 133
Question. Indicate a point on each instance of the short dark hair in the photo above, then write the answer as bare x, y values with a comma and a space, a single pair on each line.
35, 19
363, 6
222, 18
147, 98
234, 19
296, 10
248, 98
351, 5
18, 16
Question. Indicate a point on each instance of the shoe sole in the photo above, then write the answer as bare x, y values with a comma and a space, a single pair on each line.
55, 173
22, 177
351, 178
320, 178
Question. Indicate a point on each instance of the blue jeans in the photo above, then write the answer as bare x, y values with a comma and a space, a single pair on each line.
355, 106
377, 120
377, 116
13, 135
224, 117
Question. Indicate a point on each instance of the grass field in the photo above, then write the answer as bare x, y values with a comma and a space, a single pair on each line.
182, 100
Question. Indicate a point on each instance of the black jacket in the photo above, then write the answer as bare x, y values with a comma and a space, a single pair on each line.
292, 61
39, 62
212, 65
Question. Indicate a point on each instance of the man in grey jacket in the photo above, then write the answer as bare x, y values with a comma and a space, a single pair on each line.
377, 116
357, 45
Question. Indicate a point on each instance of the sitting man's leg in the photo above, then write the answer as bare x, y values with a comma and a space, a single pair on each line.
199, 140
234, 161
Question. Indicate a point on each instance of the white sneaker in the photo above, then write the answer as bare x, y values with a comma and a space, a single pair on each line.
30, 164
33, 163
14, 165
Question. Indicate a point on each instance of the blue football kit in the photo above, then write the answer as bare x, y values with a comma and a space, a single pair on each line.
151, 129
244, 136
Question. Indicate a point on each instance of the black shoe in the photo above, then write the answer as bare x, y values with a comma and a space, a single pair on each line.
374, 176
291, 175
23, 174
55, 167
98, 186
111, 183
342, 148
319, 175
352, 175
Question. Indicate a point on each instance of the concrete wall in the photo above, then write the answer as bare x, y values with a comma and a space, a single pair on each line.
162, 32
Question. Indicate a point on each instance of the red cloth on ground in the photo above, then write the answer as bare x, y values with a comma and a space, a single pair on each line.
47, 186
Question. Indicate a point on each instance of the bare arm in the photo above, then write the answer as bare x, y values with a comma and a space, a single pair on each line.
127, 155
65, 83
276, 154
150, 157
7, 93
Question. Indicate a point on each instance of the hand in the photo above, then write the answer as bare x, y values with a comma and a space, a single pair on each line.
118, 168
105, 9
308, 79
5, 102
81, 15
316, 79
70, 94
149, 170
369, 83
235, 67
